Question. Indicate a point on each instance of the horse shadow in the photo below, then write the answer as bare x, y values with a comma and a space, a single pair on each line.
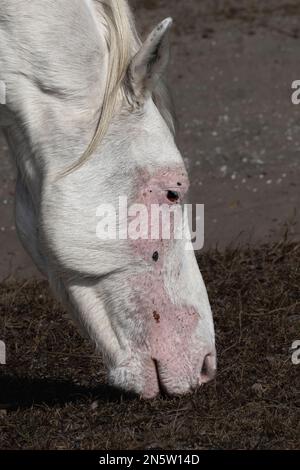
25, 392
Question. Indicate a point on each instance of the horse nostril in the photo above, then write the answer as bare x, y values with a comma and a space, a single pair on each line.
208, 371
162, 390
173, 196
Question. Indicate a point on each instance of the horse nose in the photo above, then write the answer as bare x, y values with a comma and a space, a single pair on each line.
170, 382
209, 368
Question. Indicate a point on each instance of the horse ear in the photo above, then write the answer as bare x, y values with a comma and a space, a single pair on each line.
151, 60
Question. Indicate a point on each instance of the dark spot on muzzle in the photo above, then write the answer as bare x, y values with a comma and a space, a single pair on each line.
156, 316
155, 256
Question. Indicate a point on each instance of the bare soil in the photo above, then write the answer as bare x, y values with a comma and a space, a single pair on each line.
53, 393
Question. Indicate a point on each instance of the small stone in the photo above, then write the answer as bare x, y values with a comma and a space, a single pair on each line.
224, 169
94, 405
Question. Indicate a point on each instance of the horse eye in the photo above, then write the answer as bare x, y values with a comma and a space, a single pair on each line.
173, 196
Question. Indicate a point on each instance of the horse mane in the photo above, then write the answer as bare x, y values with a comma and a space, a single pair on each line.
123, 42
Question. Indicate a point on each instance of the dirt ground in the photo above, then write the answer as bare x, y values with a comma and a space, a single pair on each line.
53, 393
233, 63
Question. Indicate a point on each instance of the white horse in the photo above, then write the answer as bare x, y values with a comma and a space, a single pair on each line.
86, 120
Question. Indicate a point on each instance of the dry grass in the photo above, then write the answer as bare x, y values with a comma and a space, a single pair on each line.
53, 393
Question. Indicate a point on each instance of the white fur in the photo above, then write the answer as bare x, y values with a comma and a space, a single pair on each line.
55, 60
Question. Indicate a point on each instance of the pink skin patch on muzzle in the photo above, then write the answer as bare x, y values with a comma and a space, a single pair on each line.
169, 327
